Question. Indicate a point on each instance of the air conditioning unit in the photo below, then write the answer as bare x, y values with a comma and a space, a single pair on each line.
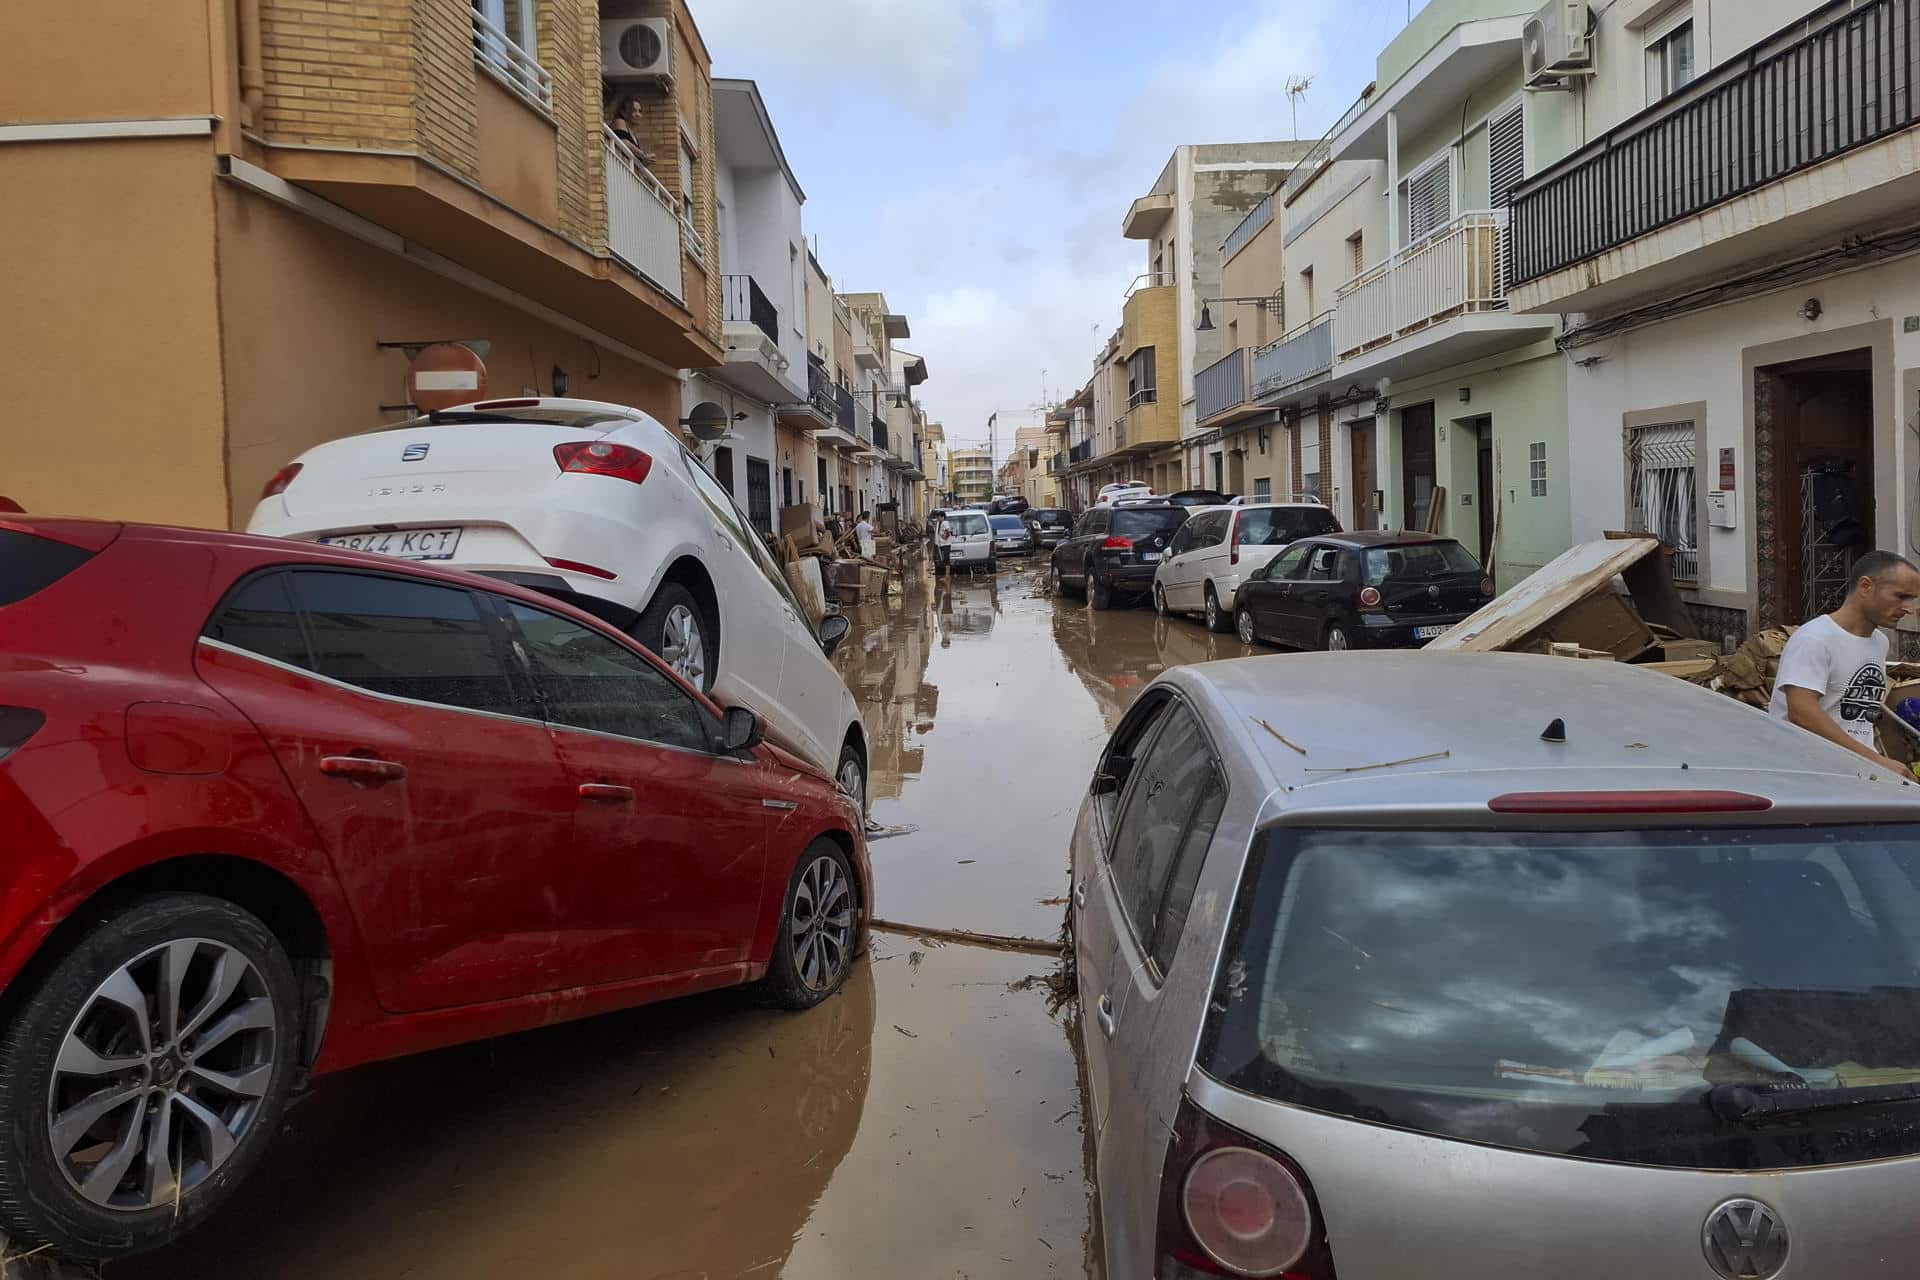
1558, 42
635, 49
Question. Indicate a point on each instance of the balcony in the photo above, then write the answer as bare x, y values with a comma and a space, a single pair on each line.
1299, 358
1080, 453
744, 303
1790, 147
879, 436
817, 410
841, 434
750, 332
501, 56
1221, 386
643, 231
1440, 301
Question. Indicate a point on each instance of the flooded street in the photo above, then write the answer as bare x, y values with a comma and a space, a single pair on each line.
926, 1122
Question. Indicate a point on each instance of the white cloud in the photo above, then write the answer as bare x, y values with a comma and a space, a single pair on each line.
967, 307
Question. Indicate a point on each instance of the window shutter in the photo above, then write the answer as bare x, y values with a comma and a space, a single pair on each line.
1429, 199
1506, 155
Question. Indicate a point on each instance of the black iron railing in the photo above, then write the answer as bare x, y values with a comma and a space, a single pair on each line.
1080, 452
879, 433
744, 301
1837, 80
820, 391
843, 409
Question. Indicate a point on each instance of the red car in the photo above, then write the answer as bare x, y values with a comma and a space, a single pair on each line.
272, 810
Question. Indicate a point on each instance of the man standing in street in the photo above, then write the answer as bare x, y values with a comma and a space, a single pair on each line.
942, 541
863, 534
1833, 672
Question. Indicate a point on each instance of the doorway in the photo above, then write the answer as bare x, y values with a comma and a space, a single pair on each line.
1813, 420
760, 494
1364, 479
1488, 497
1418, 472
723, 467
820, 470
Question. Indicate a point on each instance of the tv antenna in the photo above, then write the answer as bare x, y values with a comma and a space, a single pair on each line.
1297, 87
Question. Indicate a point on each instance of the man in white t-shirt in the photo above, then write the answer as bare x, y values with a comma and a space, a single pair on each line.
1833, 672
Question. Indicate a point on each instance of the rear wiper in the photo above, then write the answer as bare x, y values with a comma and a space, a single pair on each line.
1746, 1103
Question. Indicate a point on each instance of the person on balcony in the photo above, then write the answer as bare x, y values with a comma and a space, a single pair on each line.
626, 122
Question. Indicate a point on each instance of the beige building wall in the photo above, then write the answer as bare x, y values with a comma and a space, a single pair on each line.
1319, 237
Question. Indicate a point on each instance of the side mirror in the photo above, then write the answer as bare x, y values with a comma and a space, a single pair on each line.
742, 730
833, 629
1112, 778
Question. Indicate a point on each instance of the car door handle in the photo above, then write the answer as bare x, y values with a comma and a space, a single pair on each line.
363, 769
606, 792
1106, 1016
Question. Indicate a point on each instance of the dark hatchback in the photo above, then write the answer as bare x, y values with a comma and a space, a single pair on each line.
1049, 525
1378, 590
1199, 498
1115, 549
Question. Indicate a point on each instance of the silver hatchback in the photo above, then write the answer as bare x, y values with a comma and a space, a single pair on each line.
1484, 966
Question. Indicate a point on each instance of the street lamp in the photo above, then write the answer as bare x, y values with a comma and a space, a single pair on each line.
1273, 304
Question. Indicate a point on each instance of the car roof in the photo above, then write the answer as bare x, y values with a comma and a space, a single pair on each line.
1278, 506
1148, 504
1363, 538
1359, 738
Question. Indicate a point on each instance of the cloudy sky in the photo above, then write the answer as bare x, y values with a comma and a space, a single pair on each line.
973, 158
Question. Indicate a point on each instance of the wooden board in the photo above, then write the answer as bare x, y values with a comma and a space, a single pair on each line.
1602, 620
1570, 578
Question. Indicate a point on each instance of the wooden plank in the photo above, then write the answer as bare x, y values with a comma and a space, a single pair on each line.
1570, 578
1436, 507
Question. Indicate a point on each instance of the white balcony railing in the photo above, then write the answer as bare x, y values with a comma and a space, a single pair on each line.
1454, 270
643, 230
499, 53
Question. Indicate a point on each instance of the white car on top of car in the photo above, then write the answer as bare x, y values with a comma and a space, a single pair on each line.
1125, 489
600, 505
1218, 548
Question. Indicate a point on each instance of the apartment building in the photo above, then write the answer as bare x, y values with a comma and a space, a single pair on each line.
972, 472
872, 329
761, 385
248, 218
1076, 487
1731, 232
938, 485
906, 421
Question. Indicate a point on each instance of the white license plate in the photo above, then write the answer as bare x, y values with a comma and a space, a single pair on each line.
405, 544
1149, 556
1428, 633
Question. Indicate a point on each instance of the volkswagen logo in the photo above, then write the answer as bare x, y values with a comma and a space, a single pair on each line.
1745, 1240
414, 452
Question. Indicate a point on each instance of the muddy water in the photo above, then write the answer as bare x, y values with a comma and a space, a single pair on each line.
925, 1122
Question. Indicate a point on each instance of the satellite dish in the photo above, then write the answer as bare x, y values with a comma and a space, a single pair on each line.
708, 421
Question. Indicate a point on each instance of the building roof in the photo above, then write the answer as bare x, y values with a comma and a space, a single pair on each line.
745, 132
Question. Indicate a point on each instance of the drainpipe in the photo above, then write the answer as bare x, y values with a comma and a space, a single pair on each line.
253, 82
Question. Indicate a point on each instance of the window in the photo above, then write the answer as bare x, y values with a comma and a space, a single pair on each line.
1306, 290
1283, 525
1310, 460
1506, 154
586, 681
415, 640
1660, 470
1163, 809
1417, 562
1324, 566
1291, 564
689, 169
1263, 490
30, 563
1428, 198
1142, 379
1537, 468
259, 616
504, 41
1670, 65
1119, 759
1356, 256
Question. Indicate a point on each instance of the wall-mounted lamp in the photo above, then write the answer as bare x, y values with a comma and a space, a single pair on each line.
1812, 310
1466, 395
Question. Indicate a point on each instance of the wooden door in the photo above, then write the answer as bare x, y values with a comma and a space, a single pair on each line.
1364, 479
1486, 497
1418, 469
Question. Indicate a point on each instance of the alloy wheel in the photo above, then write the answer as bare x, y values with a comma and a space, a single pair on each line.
821, 927
1337, 640
682, 646
1213, 610
1159, 599
854, 785
161, 1074
1243, 624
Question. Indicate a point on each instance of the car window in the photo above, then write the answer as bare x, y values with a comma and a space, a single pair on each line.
1170, 919
1291, 564
418, 640
587, 681
1138, 522
1167, 785
1325, 565
1277, 526
965, 524
1094, 522
1009, 524
1580, 993
740, 530
1418, 561
1119, 757
30, 563
259, 616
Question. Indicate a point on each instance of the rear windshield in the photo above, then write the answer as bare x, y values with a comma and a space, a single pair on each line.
30, 564
1580, 993
1050, 515
1134, 521
964, 523
1009, 524
1421, 560
1277, 526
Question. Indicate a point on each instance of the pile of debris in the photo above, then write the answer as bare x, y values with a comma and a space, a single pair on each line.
824, 570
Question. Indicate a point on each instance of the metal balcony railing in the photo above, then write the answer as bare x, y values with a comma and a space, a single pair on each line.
1787, 104
745, 303
820, 391
1080, 452
501, 54
879, 436
843, 414
1057, 464
1453, 270
1296, 357
1145, 395
1221, 385
1250, 226
643, 230
1147, 280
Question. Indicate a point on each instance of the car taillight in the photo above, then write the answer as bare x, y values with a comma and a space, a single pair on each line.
1486, 587
17, 724
1117, 543
1603, 802
502, 404
602, 458
1233, 541
1230, 1205
1370, 597
281, 479
580, 566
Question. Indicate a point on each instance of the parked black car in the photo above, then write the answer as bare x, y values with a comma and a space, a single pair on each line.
1050, 525
1376, 590
1007, 507
1114, 550
1199, 498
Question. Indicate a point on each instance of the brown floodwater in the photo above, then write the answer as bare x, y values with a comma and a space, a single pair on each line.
924, 1122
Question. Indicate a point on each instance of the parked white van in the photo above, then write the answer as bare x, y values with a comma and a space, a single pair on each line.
1220, 547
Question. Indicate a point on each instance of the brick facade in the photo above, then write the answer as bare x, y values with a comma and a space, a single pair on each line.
443, 41
339, 74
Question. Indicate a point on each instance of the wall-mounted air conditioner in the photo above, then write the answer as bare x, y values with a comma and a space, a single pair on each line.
636, 49
1557, 42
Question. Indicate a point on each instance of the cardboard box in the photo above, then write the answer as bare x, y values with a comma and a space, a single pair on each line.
1603, 621
873, 582
804, 577
802, 524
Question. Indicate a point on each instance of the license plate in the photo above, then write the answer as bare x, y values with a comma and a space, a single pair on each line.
404, 544
1428, 633
1149, 556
